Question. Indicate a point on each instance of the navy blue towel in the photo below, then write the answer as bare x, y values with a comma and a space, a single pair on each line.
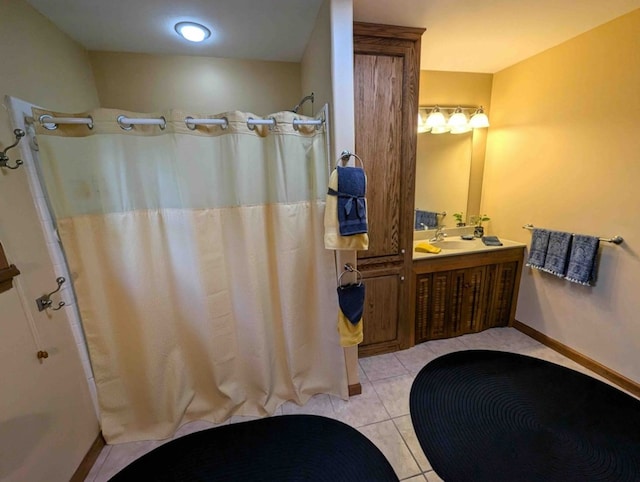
558, 253
426, 218
352, 209
351, 301
538, 250
582, 260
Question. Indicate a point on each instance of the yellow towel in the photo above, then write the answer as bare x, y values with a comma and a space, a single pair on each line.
424, 247
332, 237
350, 334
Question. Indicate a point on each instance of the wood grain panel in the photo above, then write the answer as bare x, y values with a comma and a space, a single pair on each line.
378, 123
386, 82
464, 294
380, 315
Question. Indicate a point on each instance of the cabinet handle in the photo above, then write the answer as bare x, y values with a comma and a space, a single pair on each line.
401, 278
402, 251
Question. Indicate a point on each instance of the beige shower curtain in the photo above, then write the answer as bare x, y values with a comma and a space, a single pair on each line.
198, 264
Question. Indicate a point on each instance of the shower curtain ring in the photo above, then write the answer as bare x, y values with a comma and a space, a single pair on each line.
124, 127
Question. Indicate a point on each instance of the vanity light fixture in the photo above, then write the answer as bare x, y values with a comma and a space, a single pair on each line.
193, 32
458, 122
479, 119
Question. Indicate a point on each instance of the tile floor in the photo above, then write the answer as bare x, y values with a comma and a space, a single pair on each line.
382, 411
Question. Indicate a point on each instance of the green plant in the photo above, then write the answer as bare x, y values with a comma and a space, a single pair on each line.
479, 219
459, 218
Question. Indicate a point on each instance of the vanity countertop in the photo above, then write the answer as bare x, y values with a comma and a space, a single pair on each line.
456, 246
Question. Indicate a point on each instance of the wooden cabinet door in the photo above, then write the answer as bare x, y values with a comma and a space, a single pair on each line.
499, 298
432, 306
382, 332
378, 123
450, 303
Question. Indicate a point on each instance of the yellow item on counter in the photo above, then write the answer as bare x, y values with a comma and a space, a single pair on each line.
424, 247
350, 334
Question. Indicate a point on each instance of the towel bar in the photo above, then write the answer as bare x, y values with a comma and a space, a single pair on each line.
614, 240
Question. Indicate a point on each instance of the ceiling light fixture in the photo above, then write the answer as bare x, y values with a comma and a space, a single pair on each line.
193, 32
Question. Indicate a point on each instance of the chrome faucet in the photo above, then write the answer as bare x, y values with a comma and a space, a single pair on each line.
440, 234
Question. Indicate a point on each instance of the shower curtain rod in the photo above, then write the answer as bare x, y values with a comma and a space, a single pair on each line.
126, 123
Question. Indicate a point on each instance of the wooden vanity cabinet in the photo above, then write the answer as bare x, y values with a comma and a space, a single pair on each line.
463, 294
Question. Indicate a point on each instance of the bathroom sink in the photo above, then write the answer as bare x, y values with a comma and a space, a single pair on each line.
456, 244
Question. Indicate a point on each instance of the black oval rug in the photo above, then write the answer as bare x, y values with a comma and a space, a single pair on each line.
496, 416
282, 448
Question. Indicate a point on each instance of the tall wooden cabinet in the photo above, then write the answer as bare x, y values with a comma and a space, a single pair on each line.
386, 80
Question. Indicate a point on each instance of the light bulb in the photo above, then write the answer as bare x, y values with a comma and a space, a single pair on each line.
458, 118
436, 118
479, 119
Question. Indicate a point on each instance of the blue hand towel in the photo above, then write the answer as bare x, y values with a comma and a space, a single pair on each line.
558, 253
428, 218
582, 260
352, 210
351, 301
538, 250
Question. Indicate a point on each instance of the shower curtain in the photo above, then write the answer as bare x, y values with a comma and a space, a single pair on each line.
198, 265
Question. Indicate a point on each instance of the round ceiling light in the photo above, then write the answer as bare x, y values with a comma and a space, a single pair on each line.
193, 32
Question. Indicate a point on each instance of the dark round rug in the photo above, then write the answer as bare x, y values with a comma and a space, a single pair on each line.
283, 448
495, 416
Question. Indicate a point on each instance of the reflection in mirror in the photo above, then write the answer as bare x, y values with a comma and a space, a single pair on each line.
443, 166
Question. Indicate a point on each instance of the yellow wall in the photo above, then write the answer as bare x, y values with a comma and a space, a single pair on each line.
465, 88
43, 66
563, 153
152, 83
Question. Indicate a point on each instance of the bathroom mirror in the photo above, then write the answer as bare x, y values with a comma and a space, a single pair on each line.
443, 167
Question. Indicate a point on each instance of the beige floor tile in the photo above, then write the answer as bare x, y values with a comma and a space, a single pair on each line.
394, 393
196, 426
442, 347
242, 418
479, 341
362, 409
417, 478
317, 405
405, 427
433, 477
386, 437
382, 366
511, 339
415, 358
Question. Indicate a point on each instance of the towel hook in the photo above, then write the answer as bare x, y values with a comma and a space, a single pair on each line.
4, 160
45, 303
348, 268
